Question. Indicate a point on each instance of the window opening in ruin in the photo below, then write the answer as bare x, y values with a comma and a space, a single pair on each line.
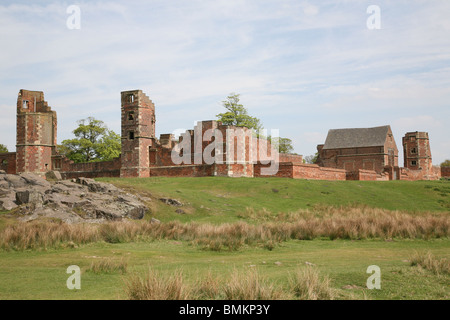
413, 163
131, 115
25, 104
131, 98
131, 135
413, 150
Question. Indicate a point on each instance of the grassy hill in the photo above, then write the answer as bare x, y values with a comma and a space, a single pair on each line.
219, 199
231, 236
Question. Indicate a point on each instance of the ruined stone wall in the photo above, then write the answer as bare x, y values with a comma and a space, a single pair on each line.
362, 175
421, 174
303, 171
70, 170
287, 157
313, 171
285, 170
183, 171
445, 172
352, 159
390, 151
8, 162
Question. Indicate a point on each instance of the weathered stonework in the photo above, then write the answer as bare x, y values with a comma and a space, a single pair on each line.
365, 150
213, 149
359, 149
417, 157
138, 133
36, 133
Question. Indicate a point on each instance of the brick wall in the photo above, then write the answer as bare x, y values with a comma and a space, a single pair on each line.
421, 174
287, 157
363, 175
70, 170
285, 170
183, 171
313, 171
351, 159
304, 171
445, 172
8, 162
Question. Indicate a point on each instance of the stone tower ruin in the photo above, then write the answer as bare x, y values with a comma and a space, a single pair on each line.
36, 133
416, 151
138, 133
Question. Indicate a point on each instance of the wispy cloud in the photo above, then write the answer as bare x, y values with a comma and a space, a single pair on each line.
301, 66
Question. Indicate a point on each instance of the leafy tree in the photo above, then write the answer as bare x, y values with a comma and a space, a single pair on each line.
237, 115
284, 145
3, 148
311, 158
446, 163
93, 142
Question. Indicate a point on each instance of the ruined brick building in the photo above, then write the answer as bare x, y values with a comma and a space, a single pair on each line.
372, 154
211, 149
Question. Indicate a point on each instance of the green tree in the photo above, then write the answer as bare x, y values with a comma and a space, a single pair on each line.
3, 148
446, 163
93, 142
283, 145
237, 114
311, 158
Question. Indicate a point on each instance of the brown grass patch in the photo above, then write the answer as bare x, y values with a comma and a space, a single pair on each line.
428, 261
307, 284
327, 222
157, 286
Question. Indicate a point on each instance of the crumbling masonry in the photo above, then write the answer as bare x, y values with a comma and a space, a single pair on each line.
348, 154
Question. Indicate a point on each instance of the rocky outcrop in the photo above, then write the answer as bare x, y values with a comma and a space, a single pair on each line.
80, 200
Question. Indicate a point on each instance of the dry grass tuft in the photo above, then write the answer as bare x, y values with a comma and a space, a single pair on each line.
429, 262
321, 222
209, 287
156, 286
108, 266
250, 286
307, 284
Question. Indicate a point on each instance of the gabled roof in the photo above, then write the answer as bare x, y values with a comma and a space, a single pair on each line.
356, 137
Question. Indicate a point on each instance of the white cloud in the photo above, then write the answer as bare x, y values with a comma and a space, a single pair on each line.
417, 123
301, 66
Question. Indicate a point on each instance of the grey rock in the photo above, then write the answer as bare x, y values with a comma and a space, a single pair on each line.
153, 220
172, 202
15, 181
4, 184
7, 199
95, 186
28, 196
68, 186
6, 204
35, 180
53, 176
84, 200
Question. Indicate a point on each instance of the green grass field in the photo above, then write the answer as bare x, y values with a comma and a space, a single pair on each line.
217, 199
41, 273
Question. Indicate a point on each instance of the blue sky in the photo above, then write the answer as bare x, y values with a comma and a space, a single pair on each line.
302, 67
